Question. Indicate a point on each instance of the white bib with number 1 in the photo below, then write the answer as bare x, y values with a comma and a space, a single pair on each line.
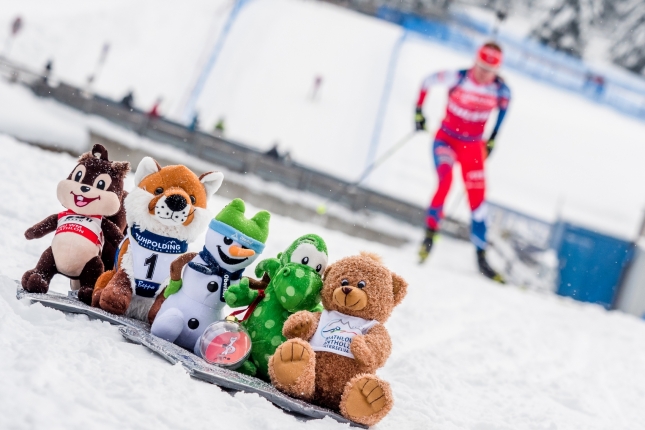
152, 255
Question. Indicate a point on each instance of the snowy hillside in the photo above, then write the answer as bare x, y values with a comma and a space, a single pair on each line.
468, 353
553, 151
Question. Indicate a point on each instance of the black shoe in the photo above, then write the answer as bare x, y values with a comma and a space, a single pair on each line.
485, 269
426, 245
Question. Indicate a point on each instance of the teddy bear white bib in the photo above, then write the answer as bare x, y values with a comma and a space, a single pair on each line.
336, 330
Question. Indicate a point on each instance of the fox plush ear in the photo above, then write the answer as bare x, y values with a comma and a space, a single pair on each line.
399, 287
212, 181
146, 167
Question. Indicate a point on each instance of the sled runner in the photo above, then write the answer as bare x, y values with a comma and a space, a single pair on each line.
229, 379
70, 304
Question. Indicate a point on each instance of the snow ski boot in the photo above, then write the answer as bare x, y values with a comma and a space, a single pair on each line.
485, 269
426, 245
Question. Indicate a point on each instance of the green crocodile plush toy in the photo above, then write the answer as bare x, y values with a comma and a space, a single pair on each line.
295, 283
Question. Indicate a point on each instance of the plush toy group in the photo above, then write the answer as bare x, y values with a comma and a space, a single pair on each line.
127, 254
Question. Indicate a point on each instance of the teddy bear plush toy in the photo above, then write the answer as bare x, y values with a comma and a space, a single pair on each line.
87, 231
294, 283
331, 356
195, 294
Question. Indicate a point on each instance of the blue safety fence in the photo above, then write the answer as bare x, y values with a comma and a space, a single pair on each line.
464, 33
591, 264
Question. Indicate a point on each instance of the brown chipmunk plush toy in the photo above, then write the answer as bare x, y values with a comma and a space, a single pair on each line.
88, 231
331, 356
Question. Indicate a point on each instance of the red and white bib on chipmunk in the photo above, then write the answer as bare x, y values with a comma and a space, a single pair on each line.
336, 330
88, 226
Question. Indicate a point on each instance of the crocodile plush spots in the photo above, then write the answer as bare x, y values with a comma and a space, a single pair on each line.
295, 283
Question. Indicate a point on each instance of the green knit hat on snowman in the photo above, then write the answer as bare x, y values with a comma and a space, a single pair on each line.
231, 222
251, 233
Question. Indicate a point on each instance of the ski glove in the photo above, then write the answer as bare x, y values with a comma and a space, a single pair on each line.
419, 119
490, 144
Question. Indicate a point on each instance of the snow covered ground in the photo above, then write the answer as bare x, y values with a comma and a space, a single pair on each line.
557, 155
468, 353
36, 120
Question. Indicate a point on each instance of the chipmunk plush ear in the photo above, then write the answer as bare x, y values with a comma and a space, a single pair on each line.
399, 287
100, 152
121, 168
212, 181
146, 167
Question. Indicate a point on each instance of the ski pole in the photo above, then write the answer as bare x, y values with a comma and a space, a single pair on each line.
376, 163
322, 209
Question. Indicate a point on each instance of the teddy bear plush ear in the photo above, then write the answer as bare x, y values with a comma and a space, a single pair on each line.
400, 287
324, 276
147, 166
212, 181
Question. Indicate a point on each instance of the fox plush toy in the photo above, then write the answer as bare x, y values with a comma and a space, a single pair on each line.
165, 211
88, 231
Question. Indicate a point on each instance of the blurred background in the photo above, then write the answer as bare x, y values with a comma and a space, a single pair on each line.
294, 99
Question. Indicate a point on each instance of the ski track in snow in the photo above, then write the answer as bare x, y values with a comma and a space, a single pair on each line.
468, 353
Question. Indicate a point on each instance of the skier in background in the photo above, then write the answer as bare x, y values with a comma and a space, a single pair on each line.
154, 111
473, 94
273, 152
194, 124
318, 80
220, 127
47, 71
128, 100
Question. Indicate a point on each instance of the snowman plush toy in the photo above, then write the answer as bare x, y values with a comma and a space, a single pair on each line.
195, 294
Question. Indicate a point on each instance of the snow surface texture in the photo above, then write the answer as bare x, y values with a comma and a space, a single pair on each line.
35, 120
468, 353
557, 154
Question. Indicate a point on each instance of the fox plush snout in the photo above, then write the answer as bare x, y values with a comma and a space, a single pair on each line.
177, 191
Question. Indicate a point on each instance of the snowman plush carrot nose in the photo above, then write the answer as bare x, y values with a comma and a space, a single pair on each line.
238, 251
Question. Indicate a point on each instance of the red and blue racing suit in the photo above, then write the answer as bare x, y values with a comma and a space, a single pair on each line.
460, 138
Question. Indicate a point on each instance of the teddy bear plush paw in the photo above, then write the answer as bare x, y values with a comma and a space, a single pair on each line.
292, 368
33, 282
362, 353
366, 400
302, 324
